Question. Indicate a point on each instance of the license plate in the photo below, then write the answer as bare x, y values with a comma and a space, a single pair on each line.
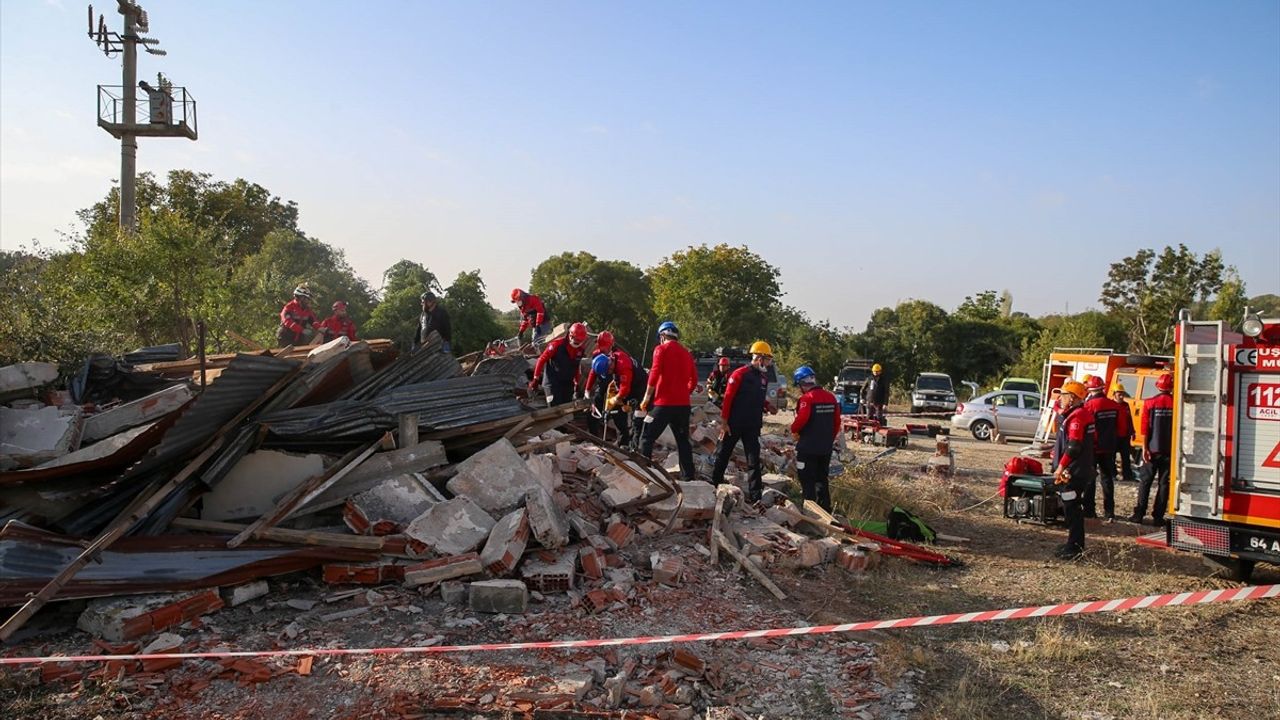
1255, 542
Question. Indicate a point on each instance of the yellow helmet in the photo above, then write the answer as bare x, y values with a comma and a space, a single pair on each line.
876, 368
1075, 388
761, 347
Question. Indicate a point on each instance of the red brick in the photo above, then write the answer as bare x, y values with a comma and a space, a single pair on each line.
688, 661
620, 533
158, 664
53, 672
593, 562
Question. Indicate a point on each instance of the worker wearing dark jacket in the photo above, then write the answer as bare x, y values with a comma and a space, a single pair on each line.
339, 324
434, 318
672, 378
875, 393
533, 314
717, 381
742, 416
1075, 469
1157, 446
1106, 419
815, 429
296, 319
557, 367
1124, 435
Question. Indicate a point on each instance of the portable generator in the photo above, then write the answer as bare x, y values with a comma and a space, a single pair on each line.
1032, 498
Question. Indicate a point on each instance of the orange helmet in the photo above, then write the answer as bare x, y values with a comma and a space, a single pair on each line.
577, 334
604, 343
1075, 388
517, 295
1164, 383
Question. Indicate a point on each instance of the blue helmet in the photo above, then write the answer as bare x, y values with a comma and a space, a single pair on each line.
668, 328
600, 365
804, 375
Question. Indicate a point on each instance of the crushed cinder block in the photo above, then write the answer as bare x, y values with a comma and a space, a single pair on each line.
257, 482
453, 592
388, 507
506, 543
499, 596
548, 576
576, 684
856, 560
120, 619
620, 486
452, 527
445, 568
241, 594
495, 478
582, 527
619, 532
546, 519
699, 502
827, 548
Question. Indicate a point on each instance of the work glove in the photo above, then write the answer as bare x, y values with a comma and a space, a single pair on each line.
1062, 476
533, 385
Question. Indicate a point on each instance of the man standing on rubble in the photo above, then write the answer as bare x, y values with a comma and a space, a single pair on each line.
673, 376
1106, 418
875, 393
533, 314
742, 417
557, 367
1157, 443
296, 319
339, 324
1074, 473
717, 381
815, 429
434, 317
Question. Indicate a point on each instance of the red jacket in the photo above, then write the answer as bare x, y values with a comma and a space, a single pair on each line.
563, 366
1079, 436
808, 422
623, 372
673, 375
532, 312
295, 317
1157, 425
334, 327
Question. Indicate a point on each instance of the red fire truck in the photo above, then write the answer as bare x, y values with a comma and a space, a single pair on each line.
1224, 485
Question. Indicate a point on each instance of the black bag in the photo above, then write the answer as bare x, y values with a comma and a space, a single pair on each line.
905, 525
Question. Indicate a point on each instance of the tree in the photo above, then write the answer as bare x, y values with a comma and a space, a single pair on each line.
396, 317
1231, 301
985, 306
1267, 306
474, 321
720, 295
609, 295
905, 339
1146, 291
1090, 329
816, 344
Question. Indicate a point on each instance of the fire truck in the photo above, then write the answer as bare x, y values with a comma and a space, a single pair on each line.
1224, 484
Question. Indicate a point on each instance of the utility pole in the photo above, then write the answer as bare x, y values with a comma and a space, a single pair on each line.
171, 110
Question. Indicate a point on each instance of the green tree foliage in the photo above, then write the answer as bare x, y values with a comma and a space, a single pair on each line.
1090, 329
1267, 306
804, 342
1146, 290
906, 340
609, 295
720, 295
985, 306
1231, 301
475, 322
396, 317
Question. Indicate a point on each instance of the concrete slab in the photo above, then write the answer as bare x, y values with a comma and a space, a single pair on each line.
24, 378
257, 483
499, 596
388, 506
546, 519
452, 527
132, 414
121, 619
620, 486
98, 450
495, 478
323, 352
699, 502
379, 467
31, 437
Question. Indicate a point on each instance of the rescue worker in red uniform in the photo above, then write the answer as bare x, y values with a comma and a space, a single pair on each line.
1106, 419
618, 370
1157, 446
717, 381
673, 376
815, 429
533, 314
742, 417
296, 319
1124, 433
339, 324
1074, 471
557, 367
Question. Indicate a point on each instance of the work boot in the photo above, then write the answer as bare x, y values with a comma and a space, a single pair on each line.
1135, 518
1068, 552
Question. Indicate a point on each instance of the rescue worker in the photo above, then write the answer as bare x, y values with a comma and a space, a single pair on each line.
742, 416
1106, 419
337, 325
1157, 444
620, 383
533, 314
1124, 432
673, 376
557, 367
717, 381
296, 319
434, 318
875, 393
1074, 472
815, 429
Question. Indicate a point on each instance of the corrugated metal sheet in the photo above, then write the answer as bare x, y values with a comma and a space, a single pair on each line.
155, 353
425, 364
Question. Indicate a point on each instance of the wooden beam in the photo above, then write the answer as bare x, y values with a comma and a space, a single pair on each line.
749, 566
715, 529
284, 535
244, 340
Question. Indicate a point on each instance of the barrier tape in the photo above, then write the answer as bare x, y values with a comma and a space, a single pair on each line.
1201, 597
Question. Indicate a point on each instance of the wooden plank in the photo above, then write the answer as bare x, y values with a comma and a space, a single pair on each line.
244, 340
750, 567
306, 490
526, 422
285, 535
715, 529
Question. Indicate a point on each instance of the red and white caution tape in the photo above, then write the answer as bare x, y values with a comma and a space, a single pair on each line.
1200, 597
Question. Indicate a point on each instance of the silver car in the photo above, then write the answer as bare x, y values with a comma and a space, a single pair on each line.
1005, 411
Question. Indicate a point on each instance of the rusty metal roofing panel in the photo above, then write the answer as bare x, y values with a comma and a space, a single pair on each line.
425, 364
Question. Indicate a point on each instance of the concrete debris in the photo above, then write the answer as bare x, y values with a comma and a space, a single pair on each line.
453, 592
499, 596
241, 594
621, 487
506, 544
31, 437
23, 379
328, 350
379, 468
554, 575
257, 482
547, 470
698, 502
452, 527
132, 414
389, 506
495, 478
548, 521
120, 619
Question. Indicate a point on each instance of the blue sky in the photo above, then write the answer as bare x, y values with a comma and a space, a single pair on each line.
872, 151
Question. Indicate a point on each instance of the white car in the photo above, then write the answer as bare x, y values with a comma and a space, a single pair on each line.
1008, 412
933, 392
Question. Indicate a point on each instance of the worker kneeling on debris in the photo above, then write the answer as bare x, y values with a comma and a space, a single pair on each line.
742, 416
815, 429
1075, 469
297, 320
557, 367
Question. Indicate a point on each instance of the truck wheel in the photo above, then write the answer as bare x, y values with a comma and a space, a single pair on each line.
981, 430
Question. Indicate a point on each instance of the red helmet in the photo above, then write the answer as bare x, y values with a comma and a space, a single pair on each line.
1164, 383
517, 295
339, 305
724, 362
604, 342
577, 334
1094, 383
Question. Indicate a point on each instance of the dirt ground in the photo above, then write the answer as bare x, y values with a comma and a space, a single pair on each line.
1219, 661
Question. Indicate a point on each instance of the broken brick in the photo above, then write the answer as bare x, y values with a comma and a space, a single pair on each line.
120, 619
593, 562
620, 533
445, 568
506, 544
